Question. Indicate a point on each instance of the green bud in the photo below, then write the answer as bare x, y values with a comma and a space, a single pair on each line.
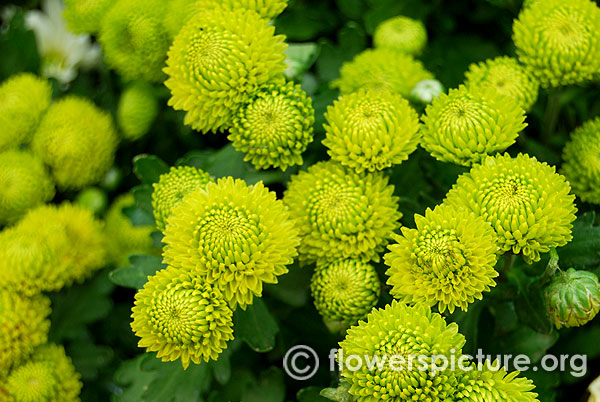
93, 199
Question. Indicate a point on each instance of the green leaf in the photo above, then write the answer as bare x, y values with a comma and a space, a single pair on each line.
89, 358
256, 326
139, 216
529, 304
527, 341
269, 388
174, 384
18, 48
468, 324
148, 168
221, 368
293, 287
137, 274
584, 250
310, 394
133, 382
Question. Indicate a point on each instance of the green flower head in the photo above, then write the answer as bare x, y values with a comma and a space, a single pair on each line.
180, 316
137, 110
172, 187
217, 60
371, 130
234, 236
559, 41
465, 126
274, 127
401, 34
527, 203
341, 214
447, 260
85, 16
77, 141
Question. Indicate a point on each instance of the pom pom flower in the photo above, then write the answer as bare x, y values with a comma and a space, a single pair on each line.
371, 131
402, 34
85, 16
77, 140
172, 187
463, 127
559, 41
274, 127
217, 60
527, 203
180, 316
235, 236
447, 260
341, 214
137, 110
25, 183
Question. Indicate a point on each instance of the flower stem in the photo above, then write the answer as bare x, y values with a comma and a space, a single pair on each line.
552, 266
509, 259
551, 114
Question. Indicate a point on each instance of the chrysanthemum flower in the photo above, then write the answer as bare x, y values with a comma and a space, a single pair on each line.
274, 127
527, 203
77, 140
379, 69
137, 110
24, 325
559, 41
85, 16
341, 214
217, 60
234, 236
180, 316
172, 187
407, 332
371, 130
447, 260
25, 183
401, 34
464, 126
23, 100
345, 291
504, 76
581, 161
134, 39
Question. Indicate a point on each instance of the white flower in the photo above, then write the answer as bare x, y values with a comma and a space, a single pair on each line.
61, 51
426, 90
594, 389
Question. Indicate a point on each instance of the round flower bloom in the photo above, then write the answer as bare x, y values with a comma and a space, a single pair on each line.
24, 326
134, 40
77, 140
274, 127
427, 90
464, 126
217, 60
527, 203
401, 34
504, 76
581, 161
400, 330
447, 260
172, 187
572, 298
341, 214
345, 291
25, 183
180, 316
85, 16
379, 69
559, 41
23, 100
234, 236
371, 130
137, 110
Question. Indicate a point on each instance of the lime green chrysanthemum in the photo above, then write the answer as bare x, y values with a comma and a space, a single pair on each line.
274, 127
180, 316
23, 100
581, 166
25, 183
123, 238
137, 110
134, 39
504, 76
23, 326
447, 260
345, 291
401, 34
85, 16
172, 187
371, 130
218, 59
559, 41
77, 140
527, 203
235, 236
464, 126
379, 69
406, 332
341, 214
